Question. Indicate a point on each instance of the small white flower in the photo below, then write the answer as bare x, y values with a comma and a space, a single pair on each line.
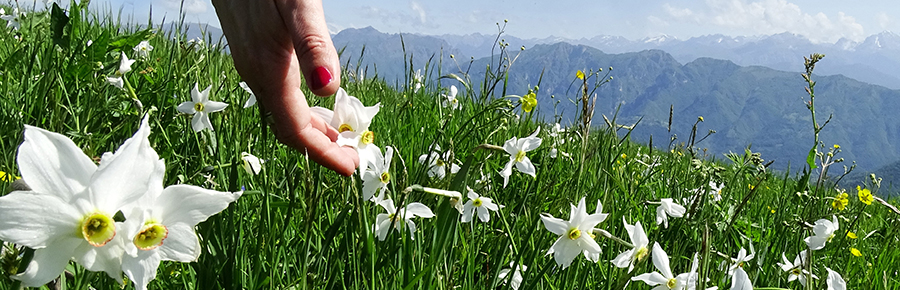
517, 149
481, 205
417, 81
200, 106
640, 241
516, 279
716, 190
12, 20
143, 49
664, 278
439, 162
252, 100
116, 82
384, 221
795, 270
742, 258
835, 281
576, 236
450, 101
251, 163
352, 121
824, 232
377, 177
666, 208
124, 65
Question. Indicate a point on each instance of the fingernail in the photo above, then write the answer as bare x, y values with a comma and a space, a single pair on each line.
320, 78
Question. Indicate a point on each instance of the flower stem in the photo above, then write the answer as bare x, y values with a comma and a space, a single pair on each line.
607, 235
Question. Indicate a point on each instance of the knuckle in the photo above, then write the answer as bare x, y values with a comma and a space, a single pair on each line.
311, 44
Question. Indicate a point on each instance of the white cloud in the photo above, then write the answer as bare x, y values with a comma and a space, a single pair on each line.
884, 21
190, 6
771, 17
419, 10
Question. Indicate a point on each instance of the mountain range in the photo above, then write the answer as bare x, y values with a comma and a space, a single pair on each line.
745, 104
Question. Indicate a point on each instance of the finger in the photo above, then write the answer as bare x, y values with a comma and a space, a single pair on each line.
305, 21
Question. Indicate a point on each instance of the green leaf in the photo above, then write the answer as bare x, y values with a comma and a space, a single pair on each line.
127, 42
811, 158
58, 22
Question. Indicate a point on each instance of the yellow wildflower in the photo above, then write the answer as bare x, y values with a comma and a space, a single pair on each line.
840, 201
836, 146
855, 252
851, 235
579, 74
865, 195
8, 177
529, 101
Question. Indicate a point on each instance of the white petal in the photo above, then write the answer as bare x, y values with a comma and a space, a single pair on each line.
651, 279
623, 260
47, 264
200, 121
835, 281
526, 167
51, 163
191, 204
181, 244
468, 212
412, 229
186, 108
250, 101
510, 147
640, 237
36, 220
141, 269
326, 115
507, 171
740, 280
555, 225
483, 214
211, 106
530, 143
417, 209
815, 242
661, 261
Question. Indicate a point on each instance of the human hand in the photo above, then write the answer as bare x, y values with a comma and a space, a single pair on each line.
271, 42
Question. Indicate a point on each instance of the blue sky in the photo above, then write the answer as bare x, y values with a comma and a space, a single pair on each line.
819, 20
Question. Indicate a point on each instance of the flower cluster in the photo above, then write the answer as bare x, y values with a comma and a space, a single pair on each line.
70, 194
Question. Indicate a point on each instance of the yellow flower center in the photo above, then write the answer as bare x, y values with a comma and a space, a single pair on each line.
367, 137
520, 156
98, 229
151, 236
385, 178
574, 234
344, 128
795, 271
198, 107
671, 283
439, 163
477, 202
641, 253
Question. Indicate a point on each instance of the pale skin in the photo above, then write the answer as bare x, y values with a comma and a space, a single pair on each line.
274, 44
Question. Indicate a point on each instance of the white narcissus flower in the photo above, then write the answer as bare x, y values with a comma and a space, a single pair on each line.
666, 208
352, 121
450, 101
417, 81
251, 163
639, 240
116, 82
481, 205
377, 177
68, 213
555, 137
664, 279
742, 258
252, 100
740, 280
795, 270
517, 149
160, 226
200, 106
438, 162
824, 232
124, 65
835, 281
143, 49
576, 236
12, 20
516, 279
394, 216
716, 190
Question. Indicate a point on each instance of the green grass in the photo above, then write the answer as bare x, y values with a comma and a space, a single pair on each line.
300, 226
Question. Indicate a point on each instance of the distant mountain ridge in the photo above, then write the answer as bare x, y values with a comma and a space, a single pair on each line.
746, 105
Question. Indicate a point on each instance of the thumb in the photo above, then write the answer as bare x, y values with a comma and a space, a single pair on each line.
319, 62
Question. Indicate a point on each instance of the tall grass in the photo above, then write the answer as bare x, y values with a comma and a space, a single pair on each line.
300, 226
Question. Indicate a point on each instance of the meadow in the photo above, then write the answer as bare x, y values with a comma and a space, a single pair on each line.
612, 210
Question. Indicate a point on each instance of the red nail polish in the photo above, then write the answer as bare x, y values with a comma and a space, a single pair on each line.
320, 78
